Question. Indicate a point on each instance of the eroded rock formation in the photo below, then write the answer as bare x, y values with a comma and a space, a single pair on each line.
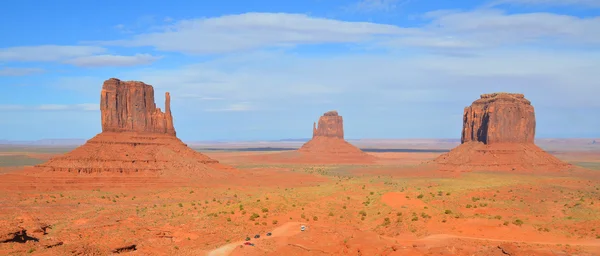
498, 135
137, 138
331, 124
129, 107
499, 118
328, 145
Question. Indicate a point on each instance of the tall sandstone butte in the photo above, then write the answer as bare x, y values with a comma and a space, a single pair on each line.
498, 135
129, 106
328, 145
499, 118
331, 124
137, 138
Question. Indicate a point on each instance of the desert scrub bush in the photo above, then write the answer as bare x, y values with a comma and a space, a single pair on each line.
447, 212
518, 222
420, 196
386, 221
228, 219
302, 216
505, 223
330, 214
180, 205
265, 210
415, 218
362, 213
254, 216
475, 199
275, 222
469, 206
344, 207
315, 218
498, 217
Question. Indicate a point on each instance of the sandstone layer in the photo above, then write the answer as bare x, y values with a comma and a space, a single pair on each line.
498, 135
328, 144
137, 138
499, 118
129, 106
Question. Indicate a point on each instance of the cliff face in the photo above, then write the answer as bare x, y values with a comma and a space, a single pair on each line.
499, 118
137, 139
128, 106
498, 135
331, 124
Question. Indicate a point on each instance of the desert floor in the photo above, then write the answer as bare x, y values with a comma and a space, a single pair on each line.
394, 207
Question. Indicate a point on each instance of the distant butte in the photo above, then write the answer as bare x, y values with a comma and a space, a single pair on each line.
137, 138
328, 144
498, 135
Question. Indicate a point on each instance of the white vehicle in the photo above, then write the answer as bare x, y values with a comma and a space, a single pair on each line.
302, 228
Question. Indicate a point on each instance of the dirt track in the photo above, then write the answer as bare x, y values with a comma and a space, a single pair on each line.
287, 229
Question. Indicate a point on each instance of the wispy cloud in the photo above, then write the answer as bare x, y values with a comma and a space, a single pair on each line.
222, 34
586, 3
113, 60
448, 32
20, 71
52, 107
47, 53
237, 107
376, 5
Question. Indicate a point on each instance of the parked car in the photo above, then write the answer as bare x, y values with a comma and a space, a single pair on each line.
269, 234
257, 236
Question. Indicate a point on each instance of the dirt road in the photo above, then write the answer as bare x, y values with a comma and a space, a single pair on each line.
285, 230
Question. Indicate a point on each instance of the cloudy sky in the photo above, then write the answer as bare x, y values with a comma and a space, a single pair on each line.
266, 69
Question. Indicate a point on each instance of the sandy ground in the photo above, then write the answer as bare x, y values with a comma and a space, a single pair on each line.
391, 207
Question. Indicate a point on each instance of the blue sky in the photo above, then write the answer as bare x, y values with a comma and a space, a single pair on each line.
251, 70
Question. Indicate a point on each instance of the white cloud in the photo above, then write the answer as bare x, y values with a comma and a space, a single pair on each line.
256, 30
20, 71
112, 60
47, 53
236, 107
587, 3
377, 5
8, 107
280, 80
52, 107
445, 31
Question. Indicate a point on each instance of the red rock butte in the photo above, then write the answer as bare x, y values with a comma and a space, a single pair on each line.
137, 138
498, 135
328, 144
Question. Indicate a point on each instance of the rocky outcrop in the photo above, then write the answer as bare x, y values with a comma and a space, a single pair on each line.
498, 135
136, 139
499, 118
129, 107
328, 145
331, 124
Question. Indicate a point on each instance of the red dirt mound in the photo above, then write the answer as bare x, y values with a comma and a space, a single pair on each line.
498, 134
137, 139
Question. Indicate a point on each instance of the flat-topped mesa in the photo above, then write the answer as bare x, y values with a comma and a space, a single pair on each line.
331, 124
499, 118
128, 106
